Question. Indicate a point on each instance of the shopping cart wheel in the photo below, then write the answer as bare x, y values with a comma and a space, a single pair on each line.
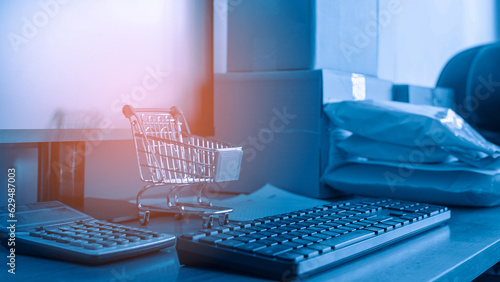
144, 217
178, 216
208, 222
223, 219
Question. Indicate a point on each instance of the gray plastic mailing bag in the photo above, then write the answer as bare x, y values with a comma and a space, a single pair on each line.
414, 152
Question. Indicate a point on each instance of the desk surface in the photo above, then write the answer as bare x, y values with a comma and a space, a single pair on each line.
460, 251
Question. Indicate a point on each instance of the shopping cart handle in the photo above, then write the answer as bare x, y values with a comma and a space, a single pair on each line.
128, 111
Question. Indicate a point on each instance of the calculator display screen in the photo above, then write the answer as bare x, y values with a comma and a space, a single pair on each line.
46, 215
30, 218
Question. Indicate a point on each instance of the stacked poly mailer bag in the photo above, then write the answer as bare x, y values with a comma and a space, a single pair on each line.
285, 59
413, 152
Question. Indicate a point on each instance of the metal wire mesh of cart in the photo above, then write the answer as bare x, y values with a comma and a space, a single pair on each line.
168, 154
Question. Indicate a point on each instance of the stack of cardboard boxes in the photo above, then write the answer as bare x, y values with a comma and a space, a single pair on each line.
285, 59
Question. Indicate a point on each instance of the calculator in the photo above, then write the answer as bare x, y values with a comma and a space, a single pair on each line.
54, 230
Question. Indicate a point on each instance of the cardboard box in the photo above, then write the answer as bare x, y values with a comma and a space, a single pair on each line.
278, 119
440, 96
269, 35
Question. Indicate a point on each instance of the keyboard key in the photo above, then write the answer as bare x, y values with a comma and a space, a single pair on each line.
325, 227
257, 236
288, 221
306, 251
293, 245
320, 247
334, 224
333, 233
245, 239
346, 228
277, 224
289, 228
317, 229
247, 231
210, 240
380, 218
244, 224
223, 236
397, 213
268, 234
279, 231
307, 232
268, 242
291, 256
377, 231
221, 229
385, 226
402, 221
409, 218
290, 237
193, 235
394, 223
322, 236
232, 227
274, 250
303, 225
303, 242
230, 244
348, 239
312, 239
251, 247
256, 228
261, 221
209, 232
278, 239
235, 233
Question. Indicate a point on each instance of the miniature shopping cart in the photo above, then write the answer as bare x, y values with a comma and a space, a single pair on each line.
169, 155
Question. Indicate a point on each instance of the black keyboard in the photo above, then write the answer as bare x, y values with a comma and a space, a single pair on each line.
54, 230
303, 242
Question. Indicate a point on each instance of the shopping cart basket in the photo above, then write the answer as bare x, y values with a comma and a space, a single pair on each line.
169, 155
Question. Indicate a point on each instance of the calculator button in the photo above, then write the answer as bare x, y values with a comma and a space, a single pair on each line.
94, 234
63, 240
120, 241
77, 243
154, 234
133, 238
36, 234
109, 243
94, 240
92, 246
68, 233
106, 232
49, 237
143, 236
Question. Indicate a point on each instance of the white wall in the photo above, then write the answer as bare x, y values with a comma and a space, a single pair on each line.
79, 58
416, 42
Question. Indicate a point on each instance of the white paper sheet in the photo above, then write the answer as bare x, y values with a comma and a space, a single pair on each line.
268, 200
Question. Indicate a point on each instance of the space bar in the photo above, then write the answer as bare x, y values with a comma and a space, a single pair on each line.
348, 239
